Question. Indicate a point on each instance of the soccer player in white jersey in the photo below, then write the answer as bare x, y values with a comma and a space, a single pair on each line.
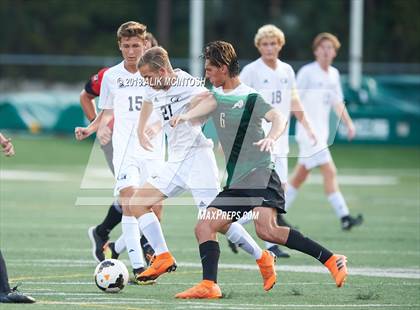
121, 97
191, 163
275, 81
320, 90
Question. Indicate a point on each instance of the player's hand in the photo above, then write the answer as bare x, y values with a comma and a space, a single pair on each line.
178, 119
81, 133
351, 132
104, 135
266, 144
153, 129
145, 142
8, 148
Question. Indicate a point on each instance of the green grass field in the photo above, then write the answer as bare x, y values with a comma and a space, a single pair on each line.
44, 237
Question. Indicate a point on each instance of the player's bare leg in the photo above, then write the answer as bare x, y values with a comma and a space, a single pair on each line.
336, 199
141, 205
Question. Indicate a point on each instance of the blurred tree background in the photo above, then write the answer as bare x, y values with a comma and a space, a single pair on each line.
88, 28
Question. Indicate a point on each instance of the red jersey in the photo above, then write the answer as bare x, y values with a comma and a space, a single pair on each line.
93, 86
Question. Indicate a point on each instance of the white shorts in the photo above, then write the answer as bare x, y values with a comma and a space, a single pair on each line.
134, 172
197, 174
316, 159
280, 165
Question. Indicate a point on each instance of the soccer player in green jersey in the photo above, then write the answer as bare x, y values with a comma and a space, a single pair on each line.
252, 183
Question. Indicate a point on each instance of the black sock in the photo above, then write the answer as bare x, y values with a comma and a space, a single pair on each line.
143, 241
297, 241
4, 280
112, 219
209, 253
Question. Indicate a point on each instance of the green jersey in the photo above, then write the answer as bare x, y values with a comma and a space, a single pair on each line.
238, 119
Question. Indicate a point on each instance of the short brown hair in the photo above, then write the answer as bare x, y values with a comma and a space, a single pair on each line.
221, 53
131, 29
151, 38
326, 36
156, 57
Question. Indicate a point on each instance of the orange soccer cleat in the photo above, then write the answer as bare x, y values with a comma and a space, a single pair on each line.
161, 264
206, 289
267, 269
336, 264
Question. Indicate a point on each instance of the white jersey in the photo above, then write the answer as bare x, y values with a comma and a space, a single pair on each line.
185, 138
123, 92
319, 91
277, 87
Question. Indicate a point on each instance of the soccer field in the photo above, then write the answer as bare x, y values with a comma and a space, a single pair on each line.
44, 237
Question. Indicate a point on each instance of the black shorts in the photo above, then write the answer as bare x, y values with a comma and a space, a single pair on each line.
260, 188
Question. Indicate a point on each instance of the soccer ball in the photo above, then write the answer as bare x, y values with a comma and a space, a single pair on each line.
111, 275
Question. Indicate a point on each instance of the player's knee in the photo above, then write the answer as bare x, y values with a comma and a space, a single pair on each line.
126, 210
203, 231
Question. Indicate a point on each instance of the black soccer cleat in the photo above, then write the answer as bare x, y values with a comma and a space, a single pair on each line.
16, 297
109, 251
233, 247
98, 244
279, 253
348, 221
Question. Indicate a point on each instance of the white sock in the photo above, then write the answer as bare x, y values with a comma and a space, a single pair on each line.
131, 233
269, 244
290, 196
339, 204
244, 220
239, 236
151, 229
120, 244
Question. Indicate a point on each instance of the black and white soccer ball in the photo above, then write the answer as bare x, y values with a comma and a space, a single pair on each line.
111, 275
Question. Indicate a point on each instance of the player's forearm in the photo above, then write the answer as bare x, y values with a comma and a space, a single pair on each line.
94, 125
146, 111
278, 123
343, 114
299, 113
87, 102
203, 108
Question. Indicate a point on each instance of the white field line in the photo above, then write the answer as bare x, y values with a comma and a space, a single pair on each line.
32, 175
403, 273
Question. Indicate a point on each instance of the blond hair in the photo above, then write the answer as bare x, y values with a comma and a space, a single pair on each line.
326, 36
131, 29
156, 57
269, 31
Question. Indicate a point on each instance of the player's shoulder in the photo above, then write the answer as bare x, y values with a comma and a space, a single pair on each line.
310, 67
284, 65
252, 66
334, 71
116, 69
241, 90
